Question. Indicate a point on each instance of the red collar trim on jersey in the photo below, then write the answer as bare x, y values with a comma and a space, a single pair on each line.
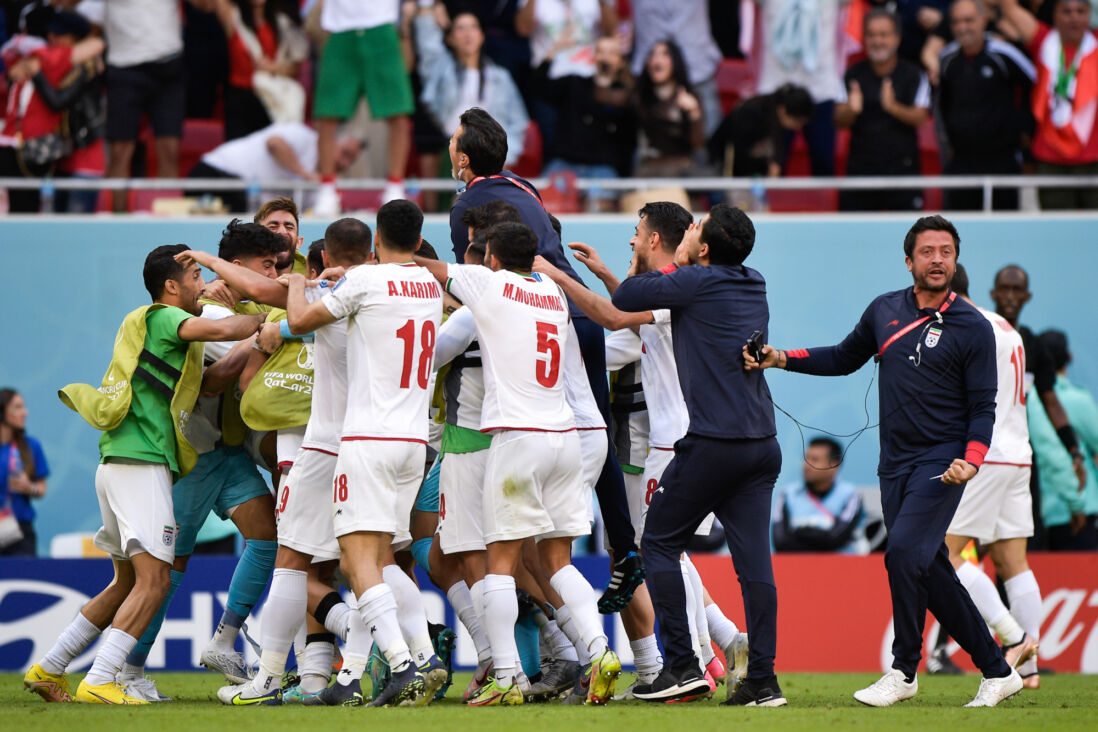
668, 269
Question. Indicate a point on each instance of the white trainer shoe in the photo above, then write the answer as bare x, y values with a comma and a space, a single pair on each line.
993, 691
229, 663
144, 688
393, 191
887, 690
327, 203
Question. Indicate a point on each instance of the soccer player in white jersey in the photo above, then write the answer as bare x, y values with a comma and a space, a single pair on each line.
305, 529
996, 509
393, 311
534, 479
658, 234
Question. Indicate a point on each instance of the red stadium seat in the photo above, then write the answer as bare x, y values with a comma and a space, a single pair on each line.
529, 164
561, 196
142, 200
199, 137
817, 200
735, 81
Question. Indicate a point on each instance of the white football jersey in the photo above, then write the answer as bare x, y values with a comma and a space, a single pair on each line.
464, 384
668, 417
393, 313
523, 329
1010, 438
329, 404
577, 389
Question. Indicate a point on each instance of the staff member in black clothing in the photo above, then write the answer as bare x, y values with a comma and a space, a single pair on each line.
478, 149
1010, 294
982, 102
729, 459
937, 405
888, 98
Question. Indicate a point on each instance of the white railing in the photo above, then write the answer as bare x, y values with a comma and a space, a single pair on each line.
986, 183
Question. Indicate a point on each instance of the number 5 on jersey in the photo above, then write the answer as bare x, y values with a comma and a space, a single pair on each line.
547, 371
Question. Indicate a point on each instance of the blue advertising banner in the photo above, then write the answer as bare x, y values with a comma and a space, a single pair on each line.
39, 597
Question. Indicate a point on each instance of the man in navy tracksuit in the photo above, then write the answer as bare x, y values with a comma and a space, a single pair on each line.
937, 407
729, 459
478, 149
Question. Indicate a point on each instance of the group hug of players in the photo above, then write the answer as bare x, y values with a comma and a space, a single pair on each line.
339, 371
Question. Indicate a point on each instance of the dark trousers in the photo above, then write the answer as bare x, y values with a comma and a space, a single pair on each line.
917, 511
972, 199
735, 480
233, 200
819, 135
1060, 538
610, 487
25, 547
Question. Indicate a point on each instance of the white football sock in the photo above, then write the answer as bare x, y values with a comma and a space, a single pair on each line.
283, 616
378, 610
300, 640
568, 626
112, 653
721, 629
579, 598
411, 614
705, 643
559, 645
337, 620
130, 672
501, 614
71, 643
647, 658
987, 601
691, 612
1025, 605
315, 665
357, 650
462, 602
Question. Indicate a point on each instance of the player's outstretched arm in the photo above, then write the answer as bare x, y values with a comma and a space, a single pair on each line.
253, 285
586, 253
439, 270
223, 373
596, 307
234, 328
303, 316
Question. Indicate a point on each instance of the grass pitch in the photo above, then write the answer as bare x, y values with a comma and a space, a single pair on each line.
1065, 702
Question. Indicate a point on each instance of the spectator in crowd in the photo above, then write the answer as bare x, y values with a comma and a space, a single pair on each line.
596, 135
752, 138
23, 473
361, 58
32, 142
888, 98
982, 83
502, 42
265, 46
725, 20
820, 513
144, 78
279, 152
686, 22
800, 46
1064, 97
942, 35
1069, 512
456, 75
562, 37
669, 114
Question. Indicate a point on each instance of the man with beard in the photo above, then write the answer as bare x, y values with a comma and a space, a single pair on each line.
937, 405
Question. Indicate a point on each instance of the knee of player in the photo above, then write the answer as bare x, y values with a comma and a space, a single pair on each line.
659, 549
156, 581
903, 558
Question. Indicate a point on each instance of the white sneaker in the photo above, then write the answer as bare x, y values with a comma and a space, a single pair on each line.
327, 204
993, 691
393, 191
887, 690
229, 663
144, 688
735, 656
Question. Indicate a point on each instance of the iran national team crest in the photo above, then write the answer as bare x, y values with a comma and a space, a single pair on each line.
169, 535
932, 336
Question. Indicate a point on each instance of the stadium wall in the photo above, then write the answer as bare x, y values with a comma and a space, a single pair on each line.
67, 282
834, 612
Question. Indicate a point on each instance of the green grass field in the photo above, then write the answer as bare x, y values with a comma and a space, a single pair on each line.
1065, 702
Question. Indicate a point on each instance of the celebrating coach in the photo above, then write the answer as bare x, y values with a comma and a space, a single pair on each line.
728, 461
937, 405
